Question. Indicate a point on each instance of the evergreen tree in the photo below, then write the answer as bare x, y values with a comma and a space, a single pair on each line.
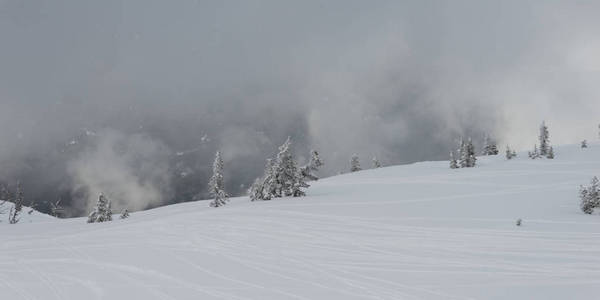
470, 154
56, 209
590, 196
489, 146
550, 153
315, 161
453, 163
535, 153
216, 184
510, 154
15, 211
256, 190
270, 188
289, 180
282, 176
102, 211
463, 155
584, 144
308, 171
354, 164
376, 163
544, 140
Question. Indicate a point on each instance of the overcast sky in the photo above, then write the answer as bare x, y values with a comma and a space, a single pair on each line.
402, 80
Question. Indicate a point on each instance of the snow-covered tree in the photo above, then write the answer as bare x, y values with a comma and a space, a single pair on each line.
256, 190
289, 179
102, 211
463, 157
354, 163
282, 177
469, 154
590, 196
313, 166
489, 146
550, 154
315, 161
216, 184
124, 214
510, 154
15, 211
56, 209
584, 144
544, 139
376, 163
453, 162
535, 153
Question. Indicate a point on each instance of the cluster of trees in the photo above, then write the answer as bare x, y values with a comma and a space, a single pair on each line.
355, 163
545, 149
466, 155
102, 212
282, 177
14, 213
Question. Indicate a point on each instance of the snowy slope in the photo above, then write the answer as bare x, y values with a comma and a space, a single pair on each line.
419, 231
27, 215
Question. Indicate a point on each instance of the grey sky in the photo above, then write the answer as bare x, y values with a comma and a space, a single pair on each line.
398, 79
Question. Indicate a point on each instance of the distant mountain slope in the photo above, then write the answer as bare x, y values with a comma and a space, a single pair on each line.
420, 231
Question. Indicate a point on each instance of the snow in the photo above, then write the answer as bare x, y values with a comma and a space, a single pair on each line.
27, 215
420, 231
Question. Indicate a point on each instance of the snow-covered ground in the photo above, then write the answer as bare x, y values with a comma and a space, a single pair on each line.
420, 231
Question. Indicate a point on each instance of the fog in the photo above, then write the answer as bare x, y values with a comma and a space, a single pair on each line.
132, 98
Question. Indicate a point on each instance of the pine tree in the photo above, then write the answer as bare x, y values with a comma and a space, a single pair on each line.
590, 196
354, 163
56, 209
463, 155
470, 154
282, 176
550, 154
376, 163
544, 140
102, 211
453, 163
313, 166
256, 190
510, 154
287, 180
270, 188
315, 161
489, 146
15, 211
584, 144
124, 214
486, 145
535, 153
216, 183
